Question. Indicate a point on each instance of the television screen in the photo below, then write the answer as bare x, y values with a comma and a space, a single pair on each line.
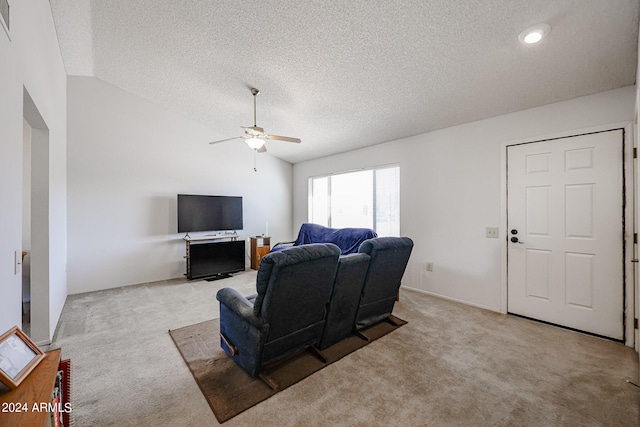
217, 258
209, 213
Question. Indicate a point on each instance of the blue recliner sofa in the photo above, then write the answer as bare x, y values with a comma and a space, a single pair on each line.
287, 314
347, 239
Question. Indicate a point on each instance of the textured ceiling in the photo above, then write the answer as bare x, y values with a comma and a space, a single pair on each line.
342, 75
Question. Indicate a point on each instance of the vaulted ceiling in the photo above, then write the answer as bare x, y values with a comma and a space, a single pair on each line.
342, 75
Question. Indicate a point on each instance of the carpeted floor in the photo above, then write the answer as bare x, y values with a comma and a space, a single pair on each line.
230, 390
452, 364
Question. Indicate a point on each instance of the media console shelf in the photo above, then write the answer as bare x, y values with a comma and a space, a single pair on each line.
232, 236
215, 256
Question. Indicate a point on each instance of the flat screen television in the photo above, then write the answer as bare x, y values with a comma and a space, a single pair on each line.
216, 259
209, 213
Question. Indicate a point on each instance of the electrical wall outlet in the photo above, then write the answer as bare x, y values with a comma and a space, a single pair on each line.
492, 232
429, 266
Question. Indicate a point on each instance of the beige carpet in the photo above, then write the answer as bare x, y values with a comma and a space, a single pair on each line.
451, 365
229, 389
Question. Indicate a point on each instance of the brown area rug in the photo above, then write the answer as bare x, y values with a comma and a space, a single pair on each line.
229, 389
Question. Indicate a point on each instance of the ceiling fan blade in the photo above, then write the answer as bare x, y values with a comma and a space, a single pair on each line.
283, 138
262, 149
228, 139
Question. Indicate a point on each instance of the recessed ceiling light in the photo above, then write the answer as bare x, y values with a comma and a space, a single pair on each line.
534, 34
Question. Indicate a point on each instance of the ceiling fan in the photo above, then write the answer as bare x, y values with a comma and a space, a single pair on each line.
254, 135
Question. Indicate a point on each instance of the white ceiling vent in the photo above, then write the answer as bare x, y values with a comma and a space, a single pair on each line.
4, 12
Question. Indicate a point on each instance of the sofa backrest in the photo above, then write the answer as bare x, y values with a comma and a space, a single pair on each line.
345, 298
389, 258
294, 287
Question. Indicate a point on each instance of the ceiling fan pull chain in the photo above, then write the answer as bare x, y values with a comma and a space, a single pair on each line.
255, 168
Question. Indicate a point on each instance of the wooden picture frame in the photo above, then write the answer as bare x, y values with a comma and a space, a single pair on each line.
18, 357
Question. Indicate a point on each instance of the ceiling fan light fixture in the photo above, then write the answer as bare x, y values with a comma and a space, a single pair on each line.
255, 143
534, 34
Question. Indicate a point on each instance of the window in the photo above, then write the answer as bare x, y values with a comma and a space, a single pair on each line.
368, 198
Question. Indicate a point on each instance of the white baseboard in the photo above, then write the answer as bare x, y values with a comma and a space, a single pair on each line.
433, 294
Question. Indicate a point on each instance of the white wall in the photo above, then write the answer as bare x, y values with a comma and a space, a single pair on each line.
31, 61
128, 159
636, 131
450, 190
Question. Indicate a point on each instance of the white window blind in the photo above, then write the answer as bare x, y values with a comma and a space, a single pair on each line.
368, 198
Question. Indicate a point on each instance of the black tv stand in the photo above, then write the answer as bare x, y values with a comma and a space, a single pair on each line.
214, 257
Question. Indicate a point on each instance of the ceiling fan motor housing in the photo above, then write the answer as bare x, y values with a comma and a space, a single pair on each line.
254, 131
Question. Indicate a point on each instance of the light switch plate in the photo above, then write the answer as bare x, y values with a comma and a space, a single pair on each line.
493, 232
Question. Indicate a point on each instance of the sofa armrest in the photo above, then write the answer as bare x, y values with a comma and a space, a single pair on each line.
240, 305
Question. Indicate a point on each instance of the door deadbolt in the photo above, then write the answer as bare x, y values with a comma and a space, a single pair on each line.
514, 231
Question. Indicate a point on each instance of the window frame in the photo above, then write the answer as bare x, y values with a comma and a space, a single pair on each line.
374, 191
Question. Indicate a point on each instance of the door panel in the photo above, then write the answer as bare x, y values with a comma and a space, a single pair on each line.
565, 210
538, 205
579, 279
538, 277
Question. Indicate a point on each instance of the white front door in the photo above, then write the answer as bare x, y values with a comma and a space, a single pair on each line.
565, 232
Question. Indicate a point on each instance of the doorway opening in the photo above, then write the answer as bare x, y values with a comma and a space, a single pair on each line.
26, 227
35, 232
